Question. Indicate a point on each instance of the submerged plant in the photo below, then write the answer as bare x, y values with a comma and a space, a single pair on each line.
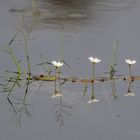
93, 61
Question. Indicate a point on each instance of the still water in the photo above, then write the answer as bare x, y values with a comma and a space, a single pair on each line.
72, 30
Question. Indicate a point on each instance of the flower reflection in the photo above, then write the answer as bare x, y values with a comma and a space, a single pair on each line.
93, 101
130, 94
57, 64
56, 95
130, 62
62, 111
94, 60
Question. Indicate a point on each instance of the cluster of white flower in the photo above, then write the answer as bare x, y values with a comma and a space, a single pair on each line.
93, 60
57, 64
130, 62
96, 60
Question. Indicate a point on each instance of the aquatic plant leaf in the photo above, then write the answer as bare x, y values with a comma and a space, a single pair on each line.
114, 61
85, 89
66, 64
13, 38
14, 59
113, 86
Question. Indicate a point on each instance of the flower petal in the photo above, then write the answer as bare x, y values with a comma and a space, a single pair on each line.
94, 60
130, 62
57, 64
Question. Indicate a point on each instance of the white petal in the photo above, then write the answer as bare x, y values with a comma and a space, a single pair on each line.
54, 63
94, 60
130, 62
60, 64
57, 64
91, 59
134, 61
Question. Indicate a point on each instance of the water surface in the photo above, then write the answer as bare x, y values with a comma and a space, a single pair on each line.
74, 30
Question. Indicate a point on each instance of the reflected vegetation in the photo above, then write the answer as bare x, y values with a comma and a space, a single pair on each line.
62, 112
21, 111
70, 14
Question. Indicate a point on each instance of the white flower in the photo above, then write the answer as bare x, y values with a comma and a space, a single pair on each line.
56, 95
129, 94
130, 62
93, 101
57, 64
94, 60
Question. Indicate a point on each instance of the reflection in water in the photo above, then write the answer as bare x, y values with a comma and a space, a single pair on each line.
22, 110
73, 13
64, 12
61, 111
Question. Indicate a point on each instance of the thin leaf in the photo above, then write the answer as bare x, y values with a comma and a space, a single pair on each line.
85, 89
66, 64
13, 39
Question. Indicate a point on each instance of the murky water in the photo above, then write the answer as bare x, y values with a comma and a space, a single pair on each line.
73, 30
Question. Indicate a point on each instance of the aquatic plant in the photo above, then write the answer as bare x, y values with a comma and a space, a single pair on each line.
57, 66
112, 68
93, 61
130, 63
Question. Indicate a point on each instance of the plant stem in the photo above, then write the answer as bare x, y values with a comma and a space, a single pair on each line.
92, 88
113, 88
55, 91
130, 70
130, 82
59, 71
129, 87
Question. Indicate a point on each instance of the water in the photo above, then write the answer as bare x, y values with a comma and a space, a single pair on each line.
73, 30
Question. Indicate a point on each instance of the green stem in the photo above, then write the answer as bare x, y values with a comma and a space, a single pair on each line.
130, 83
129, 87
130, 70
55, 91
92, 88
59, 71
113, 88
